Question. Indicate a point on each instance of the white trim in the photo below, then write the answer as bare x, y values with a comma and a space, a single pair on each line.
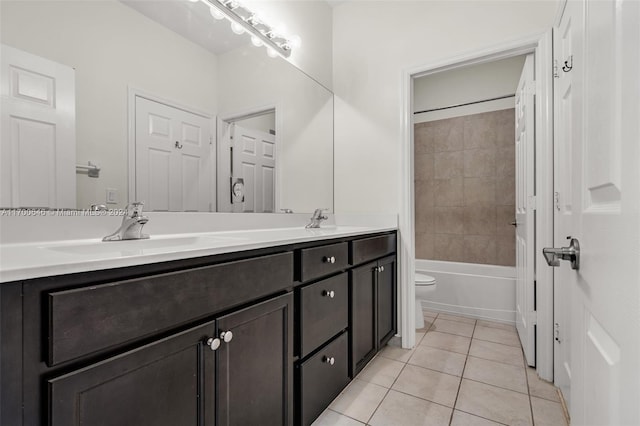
132, 93
540, 44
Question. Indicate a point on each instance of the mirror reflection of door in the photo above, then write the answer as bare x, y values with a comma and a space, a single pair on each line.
174, 158
250, 146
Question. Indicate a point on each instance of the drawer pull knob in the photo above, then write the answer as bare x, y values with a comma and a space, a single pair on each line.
329, 360
329, 293
226, 336
329, 259
213, 343
381, 269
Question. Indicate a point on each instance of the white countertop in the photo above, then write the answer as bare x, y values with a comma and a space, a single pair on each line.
20, 261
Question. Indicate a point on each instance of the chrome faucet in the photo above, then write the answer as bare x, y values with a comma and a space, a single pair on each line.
316, 219
132, 223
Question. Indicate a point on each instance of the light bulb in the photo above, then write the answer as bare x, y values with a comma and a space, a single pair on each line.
271, 53
216, 13
237, 28
256, 41
295, 41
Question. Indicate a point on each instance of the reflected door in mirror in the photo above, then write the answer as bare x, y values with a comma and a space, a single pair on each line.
174, 158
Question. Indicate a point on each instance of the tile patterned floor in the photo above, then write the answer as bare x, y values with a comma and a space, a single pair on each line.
462, 372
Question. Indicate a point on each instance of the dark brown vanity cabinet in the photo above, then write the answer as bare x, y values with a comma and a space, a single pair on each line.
373, 299
268, 337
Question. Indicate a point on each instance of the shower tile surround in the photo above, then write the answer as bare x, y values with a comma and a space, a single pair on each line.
465, 188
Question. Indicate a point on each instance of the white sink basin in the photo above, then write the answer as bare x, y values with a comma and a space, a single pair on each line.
137, 247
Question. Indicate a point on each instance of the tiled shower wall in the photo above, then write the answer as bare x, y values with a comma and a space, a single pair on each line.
465, 189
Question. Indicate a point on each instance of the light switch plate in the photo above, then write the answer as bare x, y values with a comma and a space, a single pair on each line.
112, 196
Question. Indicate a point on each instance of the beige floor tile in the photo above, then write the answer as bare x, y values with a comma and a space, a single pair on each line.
541, 388
446, 341
453, 327
331, 418
458, 318
419, 336
494, 324
497, 374
547, 413
399, 409
359, 400
428, 324
427, 384
497, 335
381, 371
461, 418
438, 359
494, 403
396, 353
496, 352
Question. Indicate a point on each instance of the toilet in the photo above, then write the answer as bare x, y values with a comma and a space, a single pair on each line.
425, 284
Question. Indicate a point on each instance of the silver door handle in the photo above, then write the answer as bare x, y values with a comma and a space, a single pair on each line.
514, 223
553, 256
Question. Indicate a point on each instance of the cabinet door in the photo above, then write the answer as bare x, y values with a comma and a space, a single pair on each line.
255, 366
362, 316
169, 382
386, 300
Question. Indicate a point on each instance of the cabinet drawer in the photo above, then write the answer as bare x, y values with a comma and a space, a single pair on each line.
323, 312
90, 319
320, 261
321, 381
366, 249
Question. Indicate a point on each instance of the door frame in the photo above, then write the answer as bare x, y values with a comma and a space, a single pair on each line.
541, 45
132, 93
226, 119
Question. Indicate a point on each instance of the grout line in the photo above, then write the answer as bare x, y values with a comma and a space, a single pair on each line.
342, 414
455, 402
533, 421
482, 417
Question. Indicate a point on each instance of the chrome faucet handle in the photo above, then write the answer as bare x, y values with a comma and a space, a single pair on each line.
318, 213
134, 209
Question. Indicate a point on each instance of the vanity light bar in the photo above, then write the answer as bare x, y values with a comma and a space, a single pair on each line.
244, 17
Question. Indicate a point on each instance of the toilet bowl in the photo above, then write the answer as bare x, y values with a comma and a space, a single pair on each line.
425, 284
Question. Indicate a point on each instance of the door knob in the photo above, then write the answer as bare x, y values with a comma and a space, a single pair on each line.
226, 336
329, 293
553, 256
514, 223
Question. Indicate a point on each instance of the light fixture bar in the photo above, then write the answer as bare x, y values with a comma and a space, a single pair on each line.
247, 20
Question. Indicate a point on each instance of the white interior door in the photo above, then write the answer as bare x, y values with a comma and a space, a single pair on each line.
563, 217
254, 161
173, 158
38, 149
605, 203
525, 235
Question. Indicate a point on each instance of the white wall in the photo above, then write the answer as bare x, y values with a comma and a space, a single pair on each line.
111, 47
468, 84
374, 41
312, 21
264, 122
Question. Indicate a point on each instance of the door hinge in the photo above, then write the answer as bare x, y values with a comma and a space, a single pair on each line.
530, 88
533, 317
556, 200
210, 140
533, 204
555, 69
556, 332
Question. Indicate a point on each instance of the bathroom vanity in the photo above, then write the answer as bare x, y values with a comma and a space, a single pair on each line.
268, 335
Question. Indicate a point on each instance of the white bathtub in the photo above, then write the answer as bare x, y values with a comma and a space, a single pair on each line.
473, 290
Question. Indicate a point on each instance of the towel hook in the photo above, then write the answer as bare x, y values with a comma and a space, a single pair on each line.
568, 65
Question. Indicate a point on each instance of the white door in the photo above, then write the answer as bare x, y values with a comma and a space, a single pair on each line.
173, 158
525, 145
563, 209
605, 204
253, 160
38, 147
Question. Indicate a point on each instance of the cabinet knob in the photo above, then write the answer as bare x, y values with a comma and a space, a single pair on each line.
376, 269
329, 293
213, 343
226, 336
329, 360
329, 259
381, 269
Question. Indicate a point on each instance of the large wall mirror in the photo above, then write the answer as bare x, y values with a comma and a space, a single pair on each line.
170, 105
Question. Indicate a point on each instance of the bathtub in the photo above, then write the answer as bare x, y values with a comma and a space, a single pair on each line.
478, 291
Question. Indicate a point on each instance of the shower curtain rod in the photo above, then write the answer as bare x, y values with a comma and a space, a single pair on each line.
465, 104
